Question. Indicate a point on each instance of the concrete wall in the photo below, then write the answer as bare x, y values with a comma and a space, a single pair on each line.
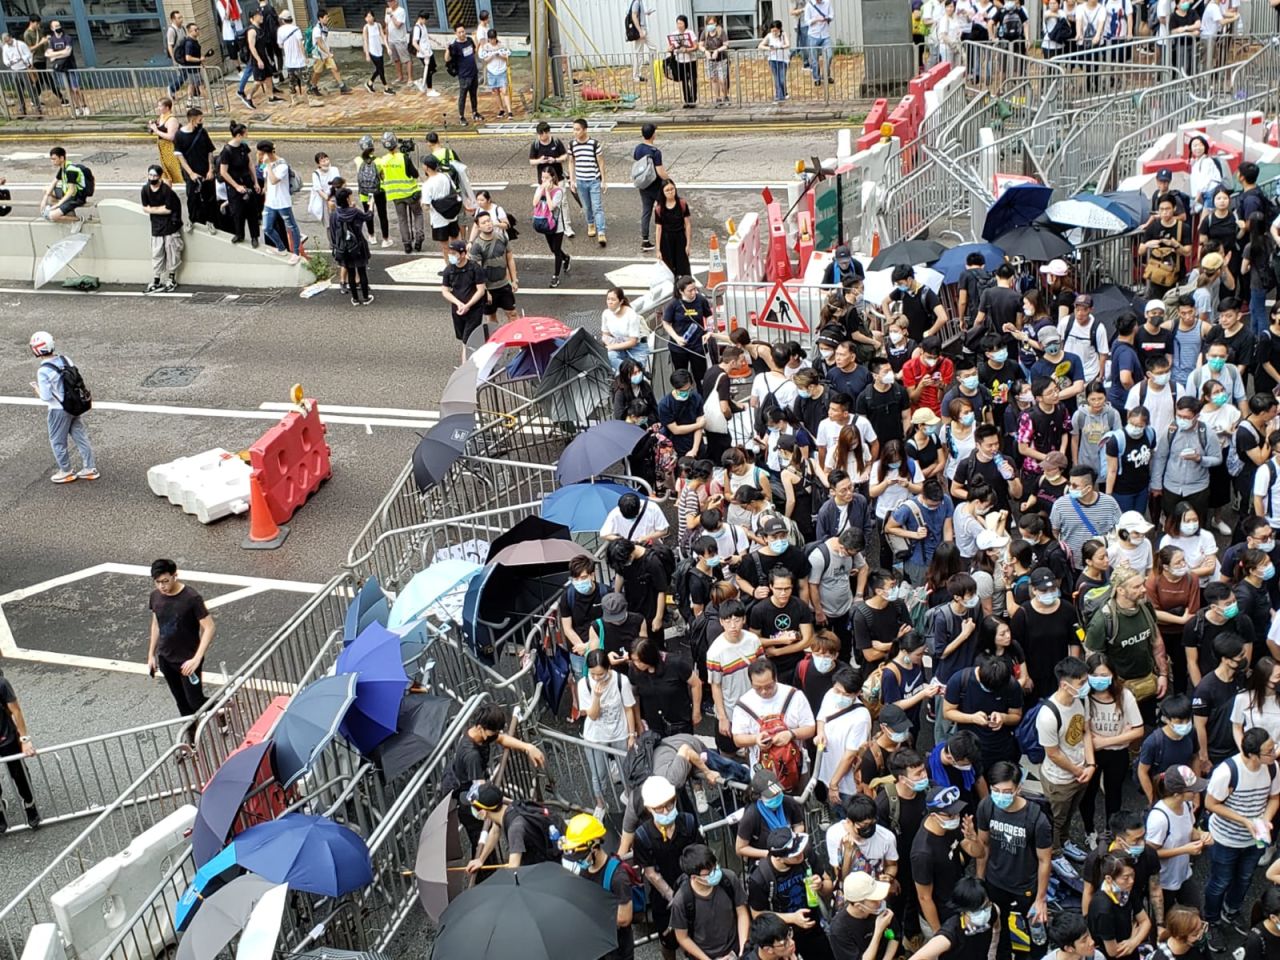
119, 252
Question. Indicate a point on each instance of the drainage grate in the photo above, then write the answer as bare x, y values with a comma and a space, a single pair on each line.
105, 156
171, 377
208, 297
205, 296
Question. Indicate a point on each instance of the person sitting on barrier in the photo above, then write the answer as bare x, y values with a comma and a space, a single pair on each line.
660, 845
677, 759
530, 829
785, 883
709, 915
638, 520
583, 855
772, 809
66, 193
15, 741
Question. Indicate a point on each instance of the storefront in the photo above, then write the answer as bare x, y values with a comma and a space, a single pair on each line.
106, 33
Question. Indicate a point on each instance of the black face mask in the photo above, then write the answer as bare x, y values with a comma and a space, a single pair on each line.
865, 831
155, 182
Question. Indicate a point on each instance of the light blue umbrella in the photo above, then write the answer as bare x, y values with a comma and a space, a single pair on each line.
430, 586
583, 506
308, 724
374, 659
368, 606
952, 263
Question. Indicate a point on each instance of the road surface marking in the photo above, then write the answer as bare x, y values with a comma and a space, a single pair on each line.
419, 423
282, 406
524, 291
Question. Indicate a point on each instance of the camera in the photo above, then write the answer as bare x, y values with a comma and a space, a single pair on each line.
408, 147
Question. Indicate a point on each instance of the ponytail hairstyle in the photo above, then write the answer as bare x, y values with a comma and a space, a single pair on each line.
1250, 558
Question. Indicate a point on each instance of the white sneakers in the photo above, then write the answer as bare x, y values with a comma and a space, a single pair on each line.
66, 476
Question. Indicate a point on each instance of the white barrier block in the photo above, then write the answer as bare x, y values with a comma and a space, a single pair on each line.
1165, 147
817, 266
91, 909
44, 943
844, 143
1250, 149
211, 485
742, 252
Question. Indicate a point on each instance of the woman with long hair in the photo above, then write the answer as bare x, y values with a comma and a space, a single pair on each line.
1219, 224
970, 519
1175, 597
738, 471
621, 331
631, 384
852, 456
1249, 580
1256, 261
1258, 705
779, 423
349, 224
1017, 576
1184, 529
893, 478
797, 484
997, 641
987, 569
945, 564
957, 434
1220, 416
1097, 568
674, 226
548, 201
1116, 723
1172, 832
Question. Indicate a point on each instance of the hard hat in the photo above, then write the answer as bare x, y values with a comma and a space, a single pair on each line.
581, 831
366, 143
42, 343
389, 140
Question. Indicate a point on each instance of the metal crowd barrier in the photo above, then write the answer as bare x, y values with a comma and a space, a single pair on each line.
109, 92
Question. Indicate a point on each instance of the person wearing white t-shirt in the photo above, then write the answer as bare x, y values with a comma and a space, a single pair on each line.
844, 727
608, 705
1156, 393
767, 697
839, 417
1213, 21
620, 330
278, 205
634, 519
397, 25
1259, 706
783, 390
1063, 732
1266, 489
293, 57
729, 658
1171, 827
858, 844
1086, 338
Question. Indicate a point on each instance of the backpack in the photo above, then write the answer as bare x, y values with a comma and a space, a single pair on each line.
309, 44
367, 179
894, 803
1010, 28
1063, 31
1235, 464
345, 244
1111, 621
448, 206
643, 172
1026, 734
90, 184
1121, 438
770, 402
1272, 471
630, 29
1233, 773
1153, 17
549, 823
873, 690
680, 582
544, 218
76, 398
637, 765
295, 182
639, 901
785, 761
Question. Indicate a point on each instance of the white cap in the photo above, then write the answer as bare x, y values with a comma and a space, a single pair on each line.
655, 791
860, 886
1154, 305
1133, 522
1056, 268
990, 540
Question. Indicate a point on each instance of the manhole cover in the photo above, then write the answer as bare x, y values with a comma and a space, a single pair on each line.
252, 299
106, 156
205, 296
171, 377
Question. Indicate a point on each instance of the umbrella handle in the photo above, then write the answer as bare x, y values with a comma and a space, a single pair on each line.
487, 866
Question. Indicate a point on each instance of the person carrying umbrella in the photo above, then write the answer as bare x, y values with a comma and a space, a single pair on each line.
583, 854
529, 828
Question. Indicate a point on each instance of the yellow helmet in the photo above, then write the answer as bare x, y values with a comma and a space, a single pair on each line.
581, 831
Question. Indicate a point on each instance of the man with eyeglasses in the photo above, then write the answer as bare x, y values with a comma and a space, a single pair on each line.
784, 624
181, 630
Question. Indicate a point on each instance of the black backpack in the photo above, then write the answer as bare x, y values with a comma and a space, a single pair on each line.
1063, 30
1010, 27
680, 582
76, 398
549, 828
345, 244
637, 765
90, 184
629, 26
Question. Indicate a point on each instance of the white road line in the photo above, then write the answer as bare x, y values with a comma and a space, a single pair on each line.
524, 291
176, 411
99, 663
371, 411
241, 594
56, 292
137, 570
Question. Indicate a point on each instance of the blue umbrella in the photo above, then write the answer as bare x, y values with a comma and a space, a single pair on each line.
1019, 206
207, 879
374, 658
367, 606
220, 802
594, 451
583, 506
952, 263
428, 587
312, 854
308, 724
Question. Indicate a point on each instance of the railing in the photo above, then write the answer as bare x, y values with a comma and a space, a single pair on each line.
108, 92
1110, 260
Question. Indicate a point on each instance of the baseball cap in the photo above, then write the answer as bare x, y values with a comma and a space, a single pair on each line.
989, 540
1181, 778
783, 843
1055, 268
1054, 460
1049, 334
655, 791
1153, 305
862, 886
748, 494
773, 525
286, 16
843, 253
487, 797
1084, 299
1164, 174
765, 785
1043, 577
1212, 261
457, 245
926, 416
1131, 521
613, 608
893, 717
943, 800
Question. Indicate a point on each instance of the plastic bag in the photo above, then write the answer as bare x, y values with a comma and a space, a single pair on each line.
315, 207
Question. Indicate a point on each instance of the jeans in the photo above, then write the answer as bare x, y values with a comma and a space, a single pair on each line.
821, 57
285, 217
1133, 501
245, 76
639, 353
591, 193
62, 425
1230, 871
598, 764
802, 43
779, 70
1258, 319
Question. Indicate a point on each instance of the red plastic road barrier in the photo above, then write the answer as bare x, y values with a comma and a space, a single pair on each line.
778, 264
879, 111
269, 803
590, 92
291, 460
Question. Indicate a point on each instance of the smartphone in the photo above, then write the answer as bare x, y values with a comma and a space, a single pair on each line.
151, 672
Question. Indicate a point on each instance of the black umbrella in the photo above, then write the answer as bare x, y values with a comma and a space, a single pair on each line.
577, 380
532, 527
441, 448
1033, 243
421, 722
908, 252
1111, 300
542, 912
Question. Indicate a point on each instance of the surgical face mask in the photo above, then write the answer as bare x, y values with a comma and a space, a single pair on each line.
897, 737
583, 586
1048, 597
1099, 683
713, 878
978, 920
971, 602
1002, 800
1180, 571
773, 803
887, 378
929, 362
681, 395
1134, 430
1000, 356
1182, 729
453, 259
970, 382
826, 354
1189, 527
949, 823
666, 819
824, 664
1266, 546
1135, 850
779, 546
921, 785
1082, 692
1217, 363
1267, 572
896, 464
1232, 610
1075, 494
637, 378
1026, 399
897, 336
904, 287
714, 560
1160, 379
841, 702
966, 419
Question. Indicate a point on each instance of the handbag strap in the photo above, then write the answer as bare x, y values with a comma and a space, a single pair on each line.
1088, 524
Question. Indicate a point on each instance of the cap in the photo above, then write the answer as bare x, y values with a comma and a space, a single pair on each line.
1043, 577
613, 608
1054, 460
487, 797
893, 717
1121, 574
1181, 779
1049, 334
1164, 174
862, 886
829, 337
925, 416
1211, 261
1153, 305
944, 800
286, 16
1056, 268
1131, 521
843, 252
655, 791
155, 170
1084, 300
990, 540
765, 785
748, 494
773, 525
783, 843
457, 245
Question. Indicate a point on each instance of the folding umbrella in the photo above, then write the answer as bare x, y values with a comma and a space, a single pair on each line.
262, 931
374, 659
1092, 213
582, 507
552, 669
1111, 300
308, 724
428, 587
1034, 243
909, 252
221, 799
1019, 206
500, 595
441, 447
419, 726
531, 527
309, 853
593, 451
541, 912
536, 552
577, 380
578, 354
208, 880
879, 283
57, 256
439, 847
223, 915
459, 395
952, 262
1135, 201
530, 330
369, 604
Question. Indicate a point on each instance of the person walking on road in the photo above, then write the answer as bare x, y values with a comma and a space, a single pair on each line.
462, 54
463, 287
181, 631
586, 178
243, 192
194, 151
280, 227
548, 204
15, 740
647, 175
51, 386
492, 251
351, 246
400, 182
675, 230
161, 204
549, 151
258, 66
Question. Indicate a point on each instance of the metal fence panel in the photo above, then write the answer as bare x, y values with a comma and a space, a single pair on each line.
104, 93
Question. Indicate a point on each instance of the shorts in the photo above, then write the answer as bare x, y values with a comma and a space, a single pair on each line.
70, 204
67, 77
441, 234
261, 73
718, 69
320, 65
500, 298
465, 325
399, 51
497, 83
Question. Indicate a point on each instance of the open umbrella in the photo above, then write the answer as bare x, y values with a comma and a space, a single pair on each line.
441, 448
1135, 201
428, 587
57, 256
419, 726
308, 724
952, 262
374, 658
879, 283
262, 930
541, 912
1111, 300
439, 847
309, 853
536, 552
909, 252
582, 507
1034, 243
369, 605
530, 330
1092, 212
208, 879
333, 953
500, 596
577, 381
459, 395
220, 802
225, 914
532, 527
593, 451
1019, 206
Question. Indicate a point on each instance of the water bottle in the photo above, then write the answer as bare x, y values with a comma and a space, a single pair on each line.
810, 895
1039, 935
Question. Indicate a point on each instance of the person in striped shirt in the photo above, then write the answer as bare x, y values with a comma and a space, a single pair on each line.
728, 658
586, 178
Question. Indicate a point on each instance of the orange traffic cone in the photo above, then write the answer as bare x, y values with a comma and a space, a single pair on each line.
264, 532
716, 273
875, 243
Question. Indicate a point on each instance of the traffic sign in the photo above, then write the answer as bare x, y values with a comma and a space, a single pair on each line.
788, 316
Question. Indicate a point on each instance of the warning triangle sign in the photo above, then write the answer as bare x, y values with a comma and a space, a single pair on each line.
780, 311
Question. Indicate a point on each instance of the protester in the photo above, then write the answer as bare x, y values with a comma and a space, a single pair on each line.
279, 225
164, 208
60, 389
181, 631
244, 193
352, 248
463, 287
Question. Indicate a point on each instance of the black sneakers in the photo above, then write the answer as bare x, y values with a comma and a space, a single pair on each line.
33, 817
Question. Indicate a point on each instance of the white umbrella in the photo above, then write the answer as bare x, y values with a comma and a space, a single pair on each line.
1081, 213
56, 257
227, 912
258, 942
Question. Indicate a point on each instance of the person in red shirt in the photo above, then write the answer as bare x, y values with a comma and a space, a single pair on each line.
928, 375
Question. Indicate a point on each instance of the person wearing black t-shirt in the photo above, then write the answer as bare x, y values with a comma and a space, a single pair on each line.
1257, 536
617, 630
885, 403
1263, 941
1000, 304
181, 630
770, 811
235, 168
987, 700
1213, 699
1219, 613
778, 885
988, 464
709, 915
879, 622
1128, 468
1128, 830
667, 688
579, 604
659, 847
865, 918
194, 151
918, 303
548, 153
936, 863
784, 624
967, 932
642, 579
1113, 922
1153, 335
1165, 246
1250, 442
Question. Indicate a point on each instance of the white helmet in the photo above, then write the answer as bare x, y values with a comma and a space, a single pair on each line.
42, 343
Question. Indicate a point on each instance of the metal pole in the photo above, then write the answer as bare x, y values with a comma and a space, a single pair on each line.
553, 48
538, 50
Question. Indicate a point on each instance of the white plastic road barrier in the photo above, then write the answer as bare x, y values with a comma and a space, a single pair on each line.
91, 909
44, 943
742, 252
211, 485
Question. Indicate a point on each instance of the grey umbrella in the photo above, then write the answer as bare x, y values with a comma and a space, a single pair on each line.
459, 394
441, 448
439, 848
330, 953
420, 724
222, 916
309, 723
